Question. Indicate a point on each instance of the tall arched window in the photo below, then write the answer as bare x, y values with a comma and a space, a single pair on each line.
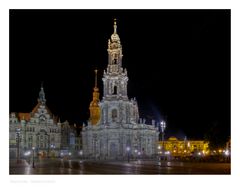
115, 90
114, 115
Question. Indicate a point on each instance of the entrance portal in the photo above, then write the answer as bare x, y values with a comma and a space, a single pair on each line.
113, 151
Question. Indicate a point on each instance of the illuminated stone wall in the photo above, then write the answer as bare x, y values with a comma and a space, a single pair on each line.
39, 129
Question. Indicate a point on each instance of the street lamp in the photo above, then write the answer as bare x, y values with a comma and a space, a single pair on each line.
159, 148
18, 144
139, 154
52, 150
135, 154
27, 154
80, 153
33, 148
128, 150
163, 127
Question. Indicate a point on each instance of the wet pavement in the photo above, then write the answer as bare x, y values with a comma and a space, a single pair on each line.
61, 166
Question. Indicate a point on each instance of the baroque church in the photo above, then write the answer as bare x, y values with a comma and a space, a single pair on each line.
114, 129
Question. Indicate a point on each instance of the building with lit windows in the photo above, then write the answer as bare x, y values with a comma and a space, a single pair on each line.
43, 131
71, 141
179, 148
114, 130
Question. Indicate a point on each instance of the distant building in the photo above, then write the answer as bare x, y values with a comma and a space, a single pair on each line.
114, 130
71, 141
227, 152
228, 144
39, 129
175, 147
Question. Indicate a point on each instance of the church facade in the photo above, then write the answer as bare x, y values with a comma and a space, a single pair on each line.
114, 130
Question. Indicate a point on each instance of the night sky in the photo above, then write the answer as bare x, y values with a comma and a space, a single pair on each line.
178, 63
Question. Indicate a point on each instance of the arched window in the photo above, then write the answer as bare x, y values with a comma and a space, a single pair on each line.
115, 90
114, 115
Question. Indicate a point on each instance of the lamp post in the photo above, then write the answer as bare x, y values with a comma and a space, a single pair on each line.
139, 154
27, 155
135, 154
18, 145
128, 150
163, 127
33, 149
52, 150
159, 148
81, 153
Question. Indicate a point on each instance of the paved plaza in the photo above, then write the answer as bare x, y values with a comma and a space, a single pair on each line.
61, 166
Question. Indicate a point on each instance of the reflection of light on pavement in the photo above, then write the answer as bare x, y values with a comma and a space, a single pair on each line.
62, 164
134, 167
28, 170
70, 163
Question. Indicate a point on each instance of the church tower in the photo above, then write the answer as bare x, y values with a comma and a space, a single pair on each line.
113, 130
94, 105
115, 105
115, 79
41, 98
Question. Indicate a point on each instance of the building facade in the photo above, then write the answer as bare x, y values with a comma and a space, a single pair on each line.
40, 130
179, 148
114, 130
71, 141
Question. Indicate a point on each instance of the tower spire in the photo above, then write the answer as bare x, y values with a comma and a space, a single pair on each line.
96, 77
115, 87
94, 105
115, 26
41, 98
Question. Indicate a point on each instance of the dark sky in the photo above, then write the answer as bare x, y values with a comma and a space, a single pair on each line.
178, 63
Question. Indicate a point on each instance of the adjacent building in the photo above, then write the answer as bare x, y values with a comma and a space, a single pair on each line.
40, 130
178, 148
114, 130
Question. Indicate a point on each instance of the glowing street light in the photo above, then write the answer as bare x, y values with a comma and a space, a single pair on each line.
159, 148
33, 148
135, 153
80, 153
226, 152
18, 144
128, 150
27, 154
52, 146
139, 154
163, 127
